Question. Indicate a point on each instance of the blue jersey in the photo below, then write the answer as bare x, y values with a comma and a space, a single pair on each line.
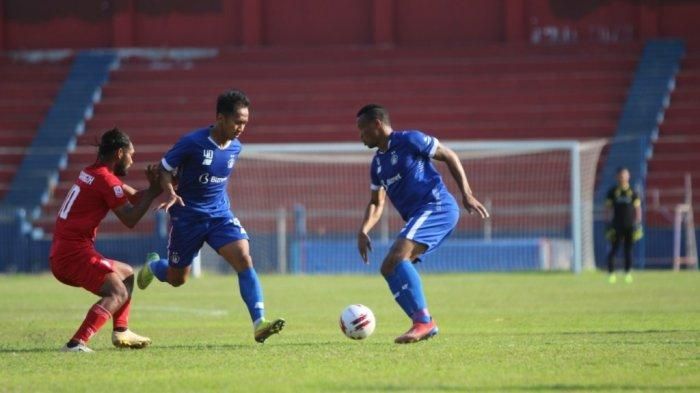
203, 168
406, 172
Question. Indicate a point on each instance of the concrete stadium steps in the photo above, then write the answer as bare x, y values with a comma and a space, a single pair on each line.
463, 115
469, 84
407, 67
26, 94
676, 150
604, 95
479, 92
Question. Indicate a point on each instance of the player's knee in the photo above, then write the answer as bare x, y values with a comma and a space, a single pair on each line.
246, 261
389, 265
386, 270
120, 293
177, 281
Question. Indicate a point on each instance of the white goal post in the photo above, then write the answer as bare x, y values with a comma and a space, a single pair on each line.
304, 203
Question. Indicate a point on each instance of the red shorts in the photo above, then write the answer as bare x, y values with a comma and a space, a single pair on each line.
85, 268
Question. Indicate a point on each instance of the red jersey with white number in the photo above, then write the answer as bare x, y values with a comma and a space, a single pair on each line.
94, 194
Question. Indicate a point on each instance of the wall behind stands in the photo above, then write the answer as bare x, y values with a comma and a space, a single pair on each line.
35, 24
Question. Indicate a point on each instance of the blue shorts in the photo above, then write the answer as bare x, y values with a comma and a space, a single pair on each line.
187, 237
431, 225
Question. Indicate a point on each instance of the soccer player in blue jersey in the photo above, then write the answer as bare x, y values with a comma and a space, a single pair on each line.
200, 209
402, 168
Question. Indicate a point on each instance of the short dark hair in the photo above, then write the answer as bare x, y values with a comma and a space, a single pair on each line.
228, 102
374, 111
620, 169
111, 141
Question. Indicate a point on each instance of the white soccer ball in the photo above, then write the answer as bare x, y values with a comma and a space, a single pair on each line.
357, 321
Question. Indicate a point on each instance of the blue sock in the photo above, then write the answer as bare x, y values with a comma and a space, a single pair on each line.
413, 291
251, 292
395, 284
159, 269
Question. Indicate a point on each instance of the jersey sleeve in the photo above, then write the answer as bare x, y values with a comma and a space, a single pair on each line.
422, 144
374, 183
177, 154
112, 192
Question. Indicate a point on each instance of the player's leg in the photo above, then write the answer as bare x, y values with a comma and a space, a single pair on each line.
183, 244
99, 276
628, 243
423, 233
122, 336
230, 240
159, 268
403, 279
237, 254
614, 244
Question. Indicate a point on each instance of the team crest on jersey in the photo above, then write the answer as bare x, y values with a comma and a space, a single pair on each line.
118, 192
174, 258
379, 166
394, 158
231, 161
208, 157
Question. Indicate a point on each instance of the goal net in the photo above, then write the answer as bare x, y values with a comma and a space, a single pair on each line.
302, 205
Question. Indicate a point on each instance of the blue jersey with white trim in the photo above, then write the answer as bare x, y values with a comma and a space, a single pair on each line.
202, 168
406, 172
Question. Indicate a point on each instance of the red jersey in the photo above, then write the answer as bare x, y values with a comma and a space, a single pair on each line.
94, 194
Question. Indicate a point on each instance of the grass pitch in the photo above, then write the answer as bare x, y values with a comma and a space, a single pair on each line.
498, 332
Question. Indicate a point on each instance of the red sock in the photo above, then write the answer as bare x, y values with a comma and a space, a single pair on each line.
96, 317
121, 317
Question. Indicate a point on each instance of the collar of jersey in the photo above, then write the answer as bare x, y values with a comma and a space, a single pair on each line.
388, 145
228, 143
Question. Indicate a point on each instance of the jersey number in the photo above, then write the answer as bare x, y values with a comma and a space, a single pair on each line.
68, 203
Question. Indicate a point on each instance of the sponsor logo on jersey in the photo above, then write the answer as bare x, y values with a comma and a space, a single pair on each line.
208, 157
118, 192
386, 183
205, 178
85, 178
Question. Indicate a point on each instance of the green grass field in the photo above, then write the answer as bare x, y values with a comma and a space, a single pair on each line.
499, 332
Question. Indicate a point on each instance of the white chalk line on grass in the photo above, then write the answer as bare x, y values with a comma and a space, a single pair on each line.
175, 310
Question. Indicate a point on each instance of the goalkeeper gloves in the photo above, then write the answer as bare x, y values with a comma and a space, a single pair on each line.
638, 232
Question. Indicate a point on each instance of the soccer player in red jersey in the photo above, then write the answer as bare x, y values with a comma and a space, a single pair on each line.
74, 260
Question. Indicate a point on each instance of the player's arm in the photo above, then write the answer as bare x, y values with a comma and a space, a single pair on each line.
133, 194
166, 183
130, 214
637, 210
373, 213
449, 157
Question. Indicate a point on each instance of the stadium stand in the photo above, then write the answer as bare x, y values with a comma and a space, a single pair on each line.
486, 92
56, 133
643, 111
27, 91
676, 150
